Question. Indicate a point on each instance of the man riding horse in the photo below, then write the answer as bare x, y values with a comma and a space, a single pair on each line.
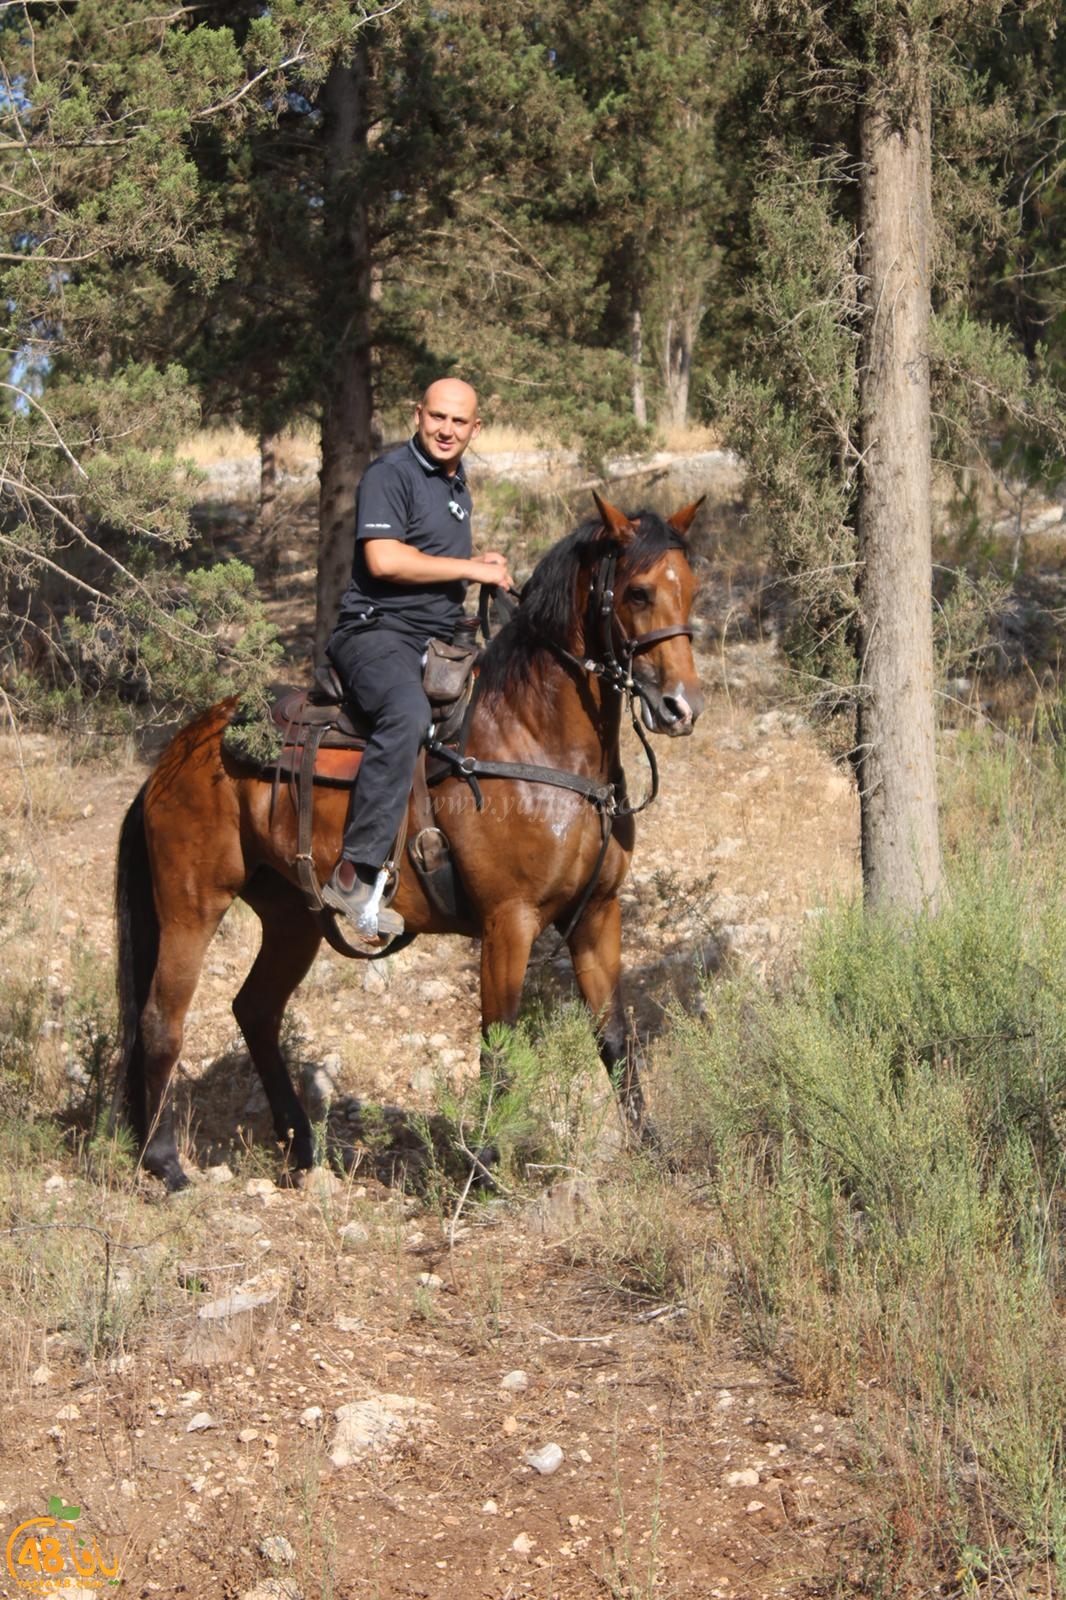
409, 575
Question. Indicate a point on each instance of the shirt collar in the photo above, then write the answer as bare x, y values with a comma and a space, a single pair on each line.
458, 477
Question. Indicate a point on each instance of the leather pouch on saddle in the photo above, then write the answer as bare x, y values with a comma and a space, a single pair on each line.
447, 679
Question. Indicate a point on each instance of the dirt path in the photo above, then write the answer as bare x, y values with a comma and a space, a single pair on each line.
687, 1469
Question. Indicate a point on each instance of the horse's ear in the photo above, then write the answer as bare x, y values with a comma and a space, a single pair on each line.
615, 522
682, 520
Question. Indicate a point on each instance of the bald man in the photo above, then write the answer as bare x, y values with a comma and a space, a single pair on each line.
412, 564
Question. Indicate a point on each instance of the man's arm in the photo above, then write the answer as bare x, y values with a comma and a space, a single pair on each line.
398, 562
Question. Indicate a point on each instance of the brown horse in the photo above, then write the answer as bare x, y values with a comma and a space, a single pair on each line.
602, 621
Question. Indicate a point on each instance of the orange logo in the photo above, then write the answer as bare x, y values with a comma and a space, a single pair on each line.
42, 1561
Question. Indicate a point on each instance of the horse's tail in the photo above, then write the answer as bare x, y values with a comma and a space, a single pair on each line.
138, 952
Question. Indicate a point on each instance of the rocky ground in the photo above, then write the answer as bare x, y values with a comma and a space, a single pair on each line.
347, 1392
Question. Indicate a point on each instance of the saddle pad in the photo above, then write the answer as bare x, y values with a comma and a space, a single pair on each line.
336, 768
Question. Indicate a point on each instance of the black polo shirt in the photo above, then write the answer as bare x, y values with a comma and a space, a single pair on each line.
403, 495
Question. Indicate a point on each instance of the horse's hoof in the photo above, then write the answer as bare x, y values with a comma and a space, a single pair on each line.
174, 1180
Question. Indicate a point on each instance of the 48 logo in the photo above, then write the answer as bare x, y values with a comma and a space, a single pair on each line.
43, 1561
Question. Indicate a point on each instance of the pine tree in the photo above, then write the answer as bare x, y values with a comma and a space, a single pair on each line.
862, 302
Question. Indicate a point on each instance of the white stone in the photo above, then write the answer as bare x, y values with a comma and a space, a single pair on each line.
372, 1424
354, 1233
219, 1174
430, 1280
277, 1548
311, 1417
261, 1188
523, 1544
54, 1182
40, 1375
201, 1422
490, 1509
515, 1382
746, 1478
67, 1413
548, 1459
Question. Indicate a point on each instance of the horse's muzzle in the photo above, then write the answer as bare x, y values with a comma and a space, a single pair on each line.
672, 713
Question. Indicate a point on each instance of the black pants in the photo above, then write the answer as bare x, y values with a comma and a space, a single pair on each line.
381, 671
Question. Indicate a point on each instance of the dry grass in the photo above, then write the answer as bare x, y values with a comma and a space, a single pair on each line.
299, 448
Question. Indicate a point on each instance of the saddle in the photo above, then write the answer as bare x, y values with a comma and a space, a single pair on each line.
322, 742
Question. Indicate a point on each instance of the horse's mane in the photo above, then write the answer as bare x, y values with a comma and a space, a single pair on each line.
547, 612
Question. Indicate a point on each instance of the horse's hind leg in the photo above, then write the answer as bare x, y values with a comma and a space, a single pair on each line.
162, 1030
596, 951
291, 938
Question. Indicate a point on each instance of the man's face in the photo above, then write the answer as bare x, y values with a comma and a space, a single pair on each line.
446, 421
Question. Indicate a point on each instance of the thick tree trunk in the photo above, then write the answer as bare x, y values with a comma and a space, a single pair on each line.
348, 399
636, 361
896, 757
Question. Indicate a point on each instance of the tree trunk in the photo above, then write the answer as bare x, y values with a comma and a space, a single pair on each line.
636, 359
268, 504
896, 754
348, 400
679, 337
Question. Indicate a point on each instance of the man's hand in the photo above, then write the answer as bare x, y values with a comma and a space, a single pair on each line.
498, 573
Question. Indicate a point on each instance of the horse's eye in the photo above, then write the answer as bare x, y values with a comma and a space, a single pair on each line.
638, 596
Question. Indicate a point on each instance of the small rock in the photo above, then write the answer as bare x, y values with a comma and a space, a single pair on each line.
128, 1489
263, 1188
319, 1182
515, 1382
55, 1182
430, 1280
371, 1425
434, 990
311, 1417
354, 1233
374, 979
746, 1478
277, 1548
755, 1505
40, 1375
201, 1422
423, 1081
490, 1509
67, 1413
273, 1589
345, 1324
546, 1460
510, 1425
248, 1435
219, 1174
523, 1544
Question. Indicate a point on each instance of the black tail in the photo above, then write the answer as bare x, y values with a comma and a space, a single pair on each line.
138, 951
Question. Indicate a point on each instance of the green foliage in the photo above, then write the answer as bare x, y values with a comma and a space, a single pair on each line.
887, 1141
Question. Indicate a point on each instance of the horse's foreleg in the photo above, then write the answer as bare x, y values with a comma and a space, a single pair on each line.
506, 940
596, 951
290, 940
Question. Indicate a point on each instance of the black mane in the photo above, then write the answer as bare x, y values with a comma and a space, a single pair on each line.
547, 612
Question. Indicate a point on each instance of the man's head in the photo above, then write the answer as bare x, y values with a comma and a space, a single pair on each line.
446, 421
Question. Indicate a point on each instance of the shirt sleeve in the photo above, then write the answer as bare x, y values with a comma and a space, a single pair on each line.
382, 507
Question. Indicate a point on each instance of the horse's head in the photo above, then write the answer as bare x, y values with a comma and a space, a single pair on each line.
641, 593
